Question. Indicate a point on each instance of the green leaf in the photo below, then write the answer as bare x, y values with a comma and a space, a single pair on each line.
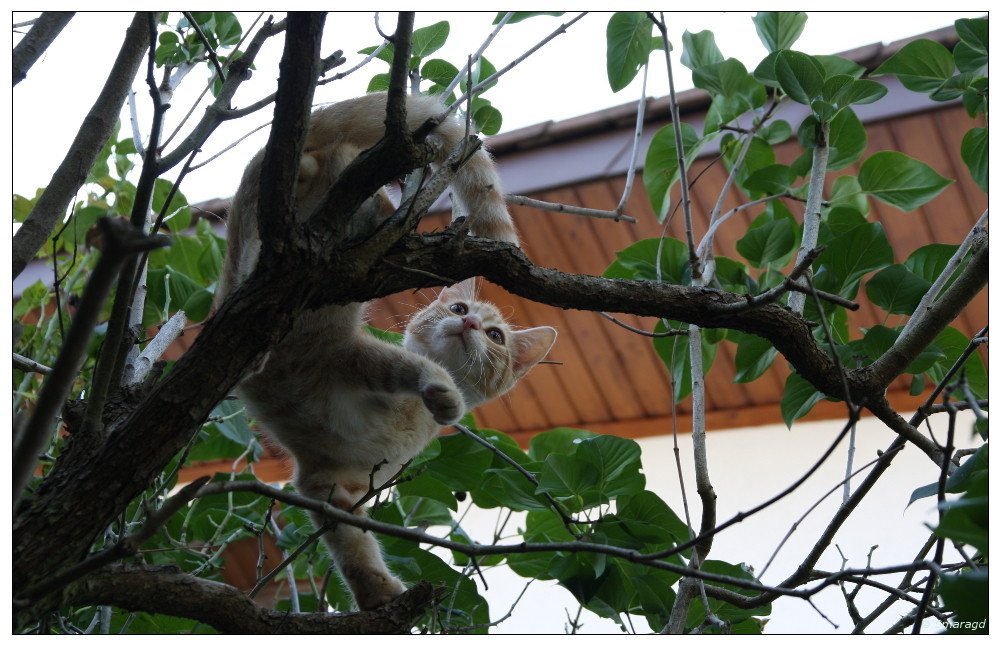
975, 33
769, 242
565, 476
953, 343
974, 100
878, 340
779, 29
729, 80
639, 262
488, 119
540, 527
461, 463
754, 355
954, 87
661, 170
853, 254
972, 51
732, 276
799, 75
966, 520
929, 261
975, 154
967, 594
833, 65
378, 83
723, 610
921, 65
798, 398
481, 71
197, 306
896, 289
227, 28
847, 192
675, 353
900, 180
508, 488
617, 462
847, 141
969, 61
183, 255
384, 54
824, 111
857, 91
629, 34
700, 50
430, 39
645, 512
775, 132
439, 71
561, 440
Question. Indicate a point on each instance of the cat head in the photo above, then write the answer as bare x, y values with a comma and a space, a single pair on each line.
472, 340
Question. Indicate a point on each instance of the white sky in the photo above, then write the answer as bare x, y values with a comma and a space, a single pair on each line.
564, 79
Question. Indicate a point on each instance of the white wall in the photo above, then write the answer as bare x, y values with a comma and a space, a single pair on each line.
749, 466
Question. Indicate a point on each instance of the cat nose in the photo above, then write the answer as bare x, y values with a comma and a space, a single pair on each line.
470, 321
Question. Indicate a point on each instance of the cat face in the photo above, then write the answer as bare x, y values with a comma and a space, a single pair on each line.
471, 339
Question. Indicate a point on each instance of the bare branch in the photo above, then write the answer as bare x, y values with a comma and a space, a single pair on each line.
22, 363
525, 201
163, 589
170, 331
43, 32
97, 127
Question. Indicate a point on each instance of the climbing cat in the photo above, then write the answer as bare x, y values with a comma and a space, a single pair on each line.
342, 401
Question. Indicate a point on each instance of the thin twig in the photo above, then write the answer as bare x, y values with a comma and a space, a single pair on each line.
669, 333
493, 77
22, 363
525, 201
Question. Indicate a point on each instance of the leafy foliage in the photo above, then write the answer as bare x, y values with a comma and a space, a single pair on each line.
617, 546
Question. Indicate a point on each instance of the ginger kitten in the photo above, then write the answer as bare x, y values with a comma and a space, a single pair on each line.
342, 401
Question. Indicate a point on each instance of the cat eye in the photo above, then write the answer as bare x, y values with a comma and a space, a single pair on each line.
495, 335
459, 308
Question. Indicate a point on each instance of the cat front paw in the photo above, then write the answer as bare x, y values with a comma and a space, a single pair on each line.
444, 402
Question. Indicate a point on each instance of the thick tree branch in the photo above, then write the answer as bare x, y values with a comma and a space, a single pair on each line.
936, 317
219, 111
45, 30
280, 168
90, 139
164, 589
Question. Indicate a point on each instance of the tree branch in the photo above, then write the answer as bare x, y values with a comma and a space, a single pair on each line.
45, 30
935, 317
164, 589
90, 139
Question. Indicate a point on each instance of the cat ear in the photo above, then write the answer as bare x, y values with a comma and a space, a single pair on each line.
463, 291
529, 347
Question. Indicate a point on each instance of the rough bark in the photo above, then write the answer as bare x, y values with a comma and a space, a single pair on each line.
166, 590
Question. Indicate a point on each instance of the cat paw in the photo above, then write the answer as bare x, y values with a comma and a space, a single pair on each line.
444, 402
379, 591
